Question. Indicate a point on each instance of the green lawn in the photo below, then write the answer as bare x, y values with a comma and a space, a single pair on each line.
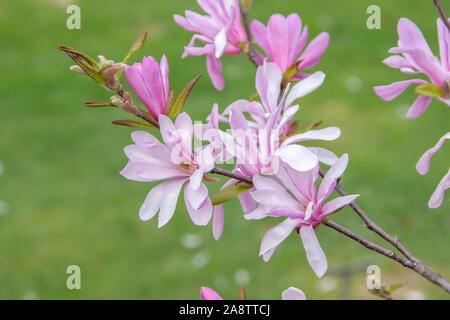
67, 203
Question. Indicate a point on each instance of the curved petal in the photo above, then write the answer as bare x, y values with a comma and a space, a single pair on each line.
162, 198
202, 215
209, 294
444, 44
419, 107
220, 42
393, 90
325, 156
336, 204
257, 214
277, 234
314, 253
438, 195
329, 180
298, 157
218, 221
293, 294
410, 36
423, 165
327, 134
272, 198
314, 51
305, 87
196, 197
214, 66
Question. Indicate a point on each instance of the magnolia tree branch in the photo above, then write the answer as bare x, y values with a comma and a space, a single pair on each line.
409, 261
372, 226
418, 267
442, 13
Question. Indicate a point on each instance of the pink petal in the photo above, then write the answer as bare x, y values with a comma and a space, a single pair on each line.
257, 214
151, 73
259, 32
438, 195
327, 134
220, 43
202, 215
336, 204
247, 202
275, 236
294, 25
293, 294
277, 36
423, 165
164, 66
298, 157
301, 184
134, 78
419, 107
146, 172
218, 221
162, 198
410, 36
393, 90
266, 183
325, 156
398, 62
275, 198
214, 69
283, 211
209, 294
314, 51
143, 137
268, 82
196, 197
329, 181
305, 87
314, 253
444, 44
185, 130
167, 129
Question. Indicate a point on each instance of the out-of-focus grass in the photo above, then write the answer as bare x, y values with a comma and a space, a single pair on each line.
68, 204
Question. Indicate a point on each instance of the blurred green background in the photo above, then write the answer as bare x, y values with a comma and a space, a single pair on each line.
64, 203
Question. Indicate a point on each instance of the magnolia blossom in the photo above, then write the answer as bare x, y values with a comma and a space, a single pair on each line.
175, 162
221, 31
423, 165
413, 56
283, 40
150, 81
304, 208
256, 142
291, 293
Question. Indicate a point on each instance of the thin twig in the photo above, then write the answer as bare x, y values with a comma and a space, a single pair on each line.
442, 13
233, 175
251, 46
372, 226
420, 268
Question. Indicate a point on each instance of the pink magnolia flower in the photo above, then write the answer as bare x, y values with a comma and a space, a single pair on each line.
304, 208
150, 81
423, 165
283, 40
175, 162
291, 293
413, 56
221, 31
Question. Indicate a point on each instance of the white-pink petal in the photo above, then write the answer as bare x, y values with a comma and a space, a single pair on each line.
298, 157
293, 293
314, 253
277, 234
423, 165
438, 195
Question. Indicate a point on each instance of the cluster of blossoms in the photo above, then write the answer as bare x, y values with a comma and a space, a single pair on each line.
261, 138
413, 56
274, 174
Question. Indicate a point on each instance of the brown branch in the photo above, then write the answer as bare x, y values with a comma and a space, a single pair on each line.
233, 175
372, 226
252, 52
420, 268
442, 13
